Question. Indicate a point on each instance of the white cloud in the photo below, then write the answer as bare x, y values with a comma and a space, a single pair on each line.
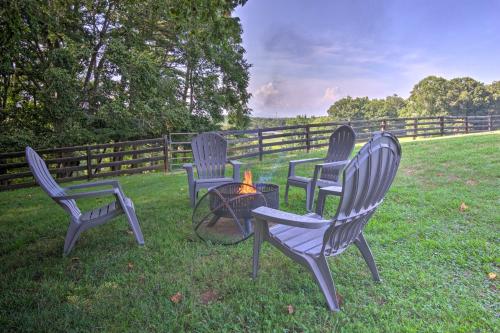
266, 90
291, 96
331, 94
308, 80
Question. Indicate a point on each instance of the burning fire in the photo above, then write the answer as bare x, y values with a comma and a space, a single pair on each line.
247, 180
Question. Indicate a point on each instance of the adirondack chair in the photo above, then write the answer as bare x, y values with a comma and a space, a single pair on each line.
310, 239
81, 221
341, 145
334, 190
210, 158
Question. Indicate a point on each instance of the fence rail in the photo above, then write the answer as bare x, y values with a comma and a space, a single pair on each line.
171, 151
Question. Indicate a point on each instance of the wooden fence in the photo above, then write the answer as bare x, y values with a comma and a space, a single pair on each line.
172, 150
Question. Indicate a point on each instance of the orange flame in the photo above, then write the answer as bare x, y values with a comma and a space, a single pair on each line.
247, 180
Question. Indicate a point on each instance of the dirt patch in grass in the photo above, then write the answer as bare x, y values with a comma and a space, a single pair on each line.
410, 171
209, 296
471, 182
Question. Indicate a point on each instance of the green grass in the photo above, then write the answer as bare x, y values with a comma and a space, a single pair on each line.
434, 259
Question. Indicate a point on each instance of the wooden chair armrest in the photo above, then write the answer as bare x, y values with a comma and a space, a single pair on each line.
292, 164
113, 183
91, 194
235, 162
190, 172
338, 164
277, 216
307, 160
236, 169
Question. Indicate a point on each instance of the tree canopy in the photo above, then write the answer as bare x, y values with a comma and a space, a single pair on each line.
84, 71
432, 96
365, 108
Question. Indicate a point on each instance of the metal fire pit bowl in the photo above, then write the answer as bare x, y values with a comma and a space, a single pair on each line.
223, 215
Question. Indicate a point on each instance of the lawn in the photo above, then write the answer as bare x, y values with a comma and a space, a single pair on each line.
435, 239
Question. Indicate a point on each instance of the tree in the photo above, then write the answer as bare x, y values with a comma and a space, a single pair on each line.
97, 70
384, 108
299, 120
208, 58
494, 91
429, 97
348, 108
468, 97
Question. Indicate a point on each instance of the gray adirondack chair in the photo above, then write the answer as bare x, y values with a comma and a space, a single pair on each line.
81, 221
210, 159
341, 145
310, 239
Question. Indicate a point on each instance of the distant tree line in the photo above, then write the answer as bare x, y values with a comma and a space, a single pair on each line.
432, 96
262, 122
85, 71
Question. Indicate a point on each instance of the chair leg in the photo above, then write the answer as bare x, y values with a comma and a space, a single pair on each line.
257, 243
132, 219
309, 197
72, 236
320, 204
191, 188
367, 255
321, 271
286, 192
192, 195
134, 223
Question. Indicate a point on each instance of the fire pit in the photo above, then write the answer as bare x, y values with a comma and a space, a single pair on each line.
223, 215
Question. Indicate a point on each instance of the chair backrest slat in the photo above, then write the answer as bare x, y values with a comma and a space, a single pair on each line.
210, 155
47, 183
340, 147
366, 180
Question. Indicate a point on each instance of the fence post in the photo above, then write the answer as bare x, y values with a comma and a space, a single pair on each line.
166, 166
489, 123
261, 149
308, 138
89, 163
441, 125
466, 124
415, 126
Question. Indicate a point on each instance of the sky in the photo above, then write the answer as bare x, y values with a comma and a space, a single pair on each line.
306, 54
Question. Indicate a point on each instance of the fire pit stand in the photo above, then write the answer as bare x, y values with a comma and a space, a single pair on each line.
223, 214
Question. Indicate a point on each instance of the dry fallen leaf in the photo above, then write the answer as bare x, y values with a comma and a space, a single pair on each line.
492, 276
130, 232
340, 299
209, 296
463, 207
289, 309
176, 298
471, 182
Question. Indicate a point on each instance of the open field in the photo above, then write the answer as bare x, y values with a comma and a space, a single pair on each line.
433, 256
